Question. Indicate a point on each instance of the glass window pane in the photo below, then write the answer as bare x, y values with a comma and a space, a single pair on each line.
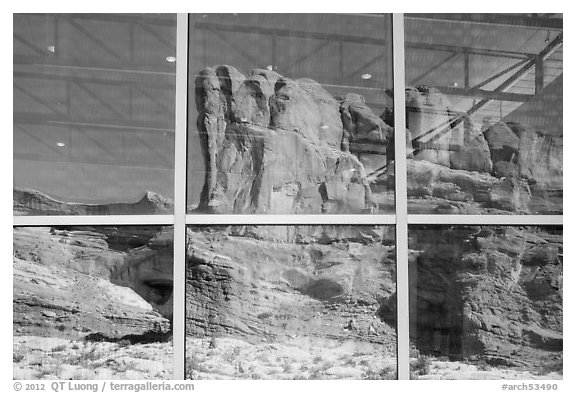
290, 114
94, 113
486, 302
484, 113
92, 302
290, 302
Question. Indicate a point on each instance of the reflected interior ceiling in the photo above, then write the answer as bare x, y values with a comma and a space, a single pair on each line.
98, 89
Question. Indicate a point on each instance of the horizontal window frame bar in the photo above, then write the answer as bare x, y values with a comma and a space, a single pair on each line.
484, 219
280, 219
303, 219
160, 219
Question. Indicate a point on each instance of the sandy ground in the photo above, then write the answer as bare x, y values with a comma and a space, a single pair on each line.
56, 358
438, 369
298, 358
316, 358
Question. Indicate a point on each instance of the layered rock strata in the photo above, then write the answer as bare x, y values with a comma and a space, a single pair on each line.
93, 282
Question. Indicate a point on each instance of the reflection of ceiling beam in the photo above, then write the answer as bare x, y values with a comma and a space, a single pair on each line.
92, 161
167, 69
364, 67
437, 132
499, 74
268, 31
29, 44
170, 45
469, 50
39, 140
305, 57
237, 48
149, 19
96, 142
37, 99
527, 20
153, 149
58, 120
100, 100
484, 94
550, 48
91, 37
433, 68
117, 80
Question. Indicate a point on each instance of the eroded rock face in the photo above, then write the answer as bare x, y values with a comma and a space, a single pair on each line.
468, 149
437, 189
488, 292
92, 282
427, 111
361, 123
241, 282
32, 202
444, 137
277, 150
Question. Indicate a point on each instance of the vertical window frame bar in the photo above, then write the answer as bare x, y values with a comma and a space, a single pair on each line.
402, 283
180, 169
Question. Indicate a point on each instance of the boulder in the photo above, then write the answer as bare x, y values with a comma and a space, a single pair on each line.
257, 173
540, 157
331, 128
426, 112
503, 143
250, 103
361, 123
293, 109
273, 146
468, 148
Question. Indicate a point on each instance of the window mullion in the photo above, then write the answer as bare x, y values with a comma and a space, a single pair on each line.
402, 288
179, 320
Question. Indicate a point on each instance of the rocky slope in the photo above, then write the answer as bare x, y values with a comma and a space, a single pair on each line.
487, 293
32, 202
490, 296
90, 284
295, 290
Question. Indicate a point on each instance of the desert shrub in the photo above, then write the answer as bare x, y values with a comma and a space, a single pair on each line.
59, 348
550, 367
17, 357
421, 366
483, 366
125, 366
387, 372
123, 343
194, 366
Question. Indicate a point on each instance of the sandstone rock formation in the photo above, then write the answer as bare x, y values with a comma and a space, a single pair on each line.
480, 294
290, 286
273, 145
491, 293
32, 202
89, 285
277, 145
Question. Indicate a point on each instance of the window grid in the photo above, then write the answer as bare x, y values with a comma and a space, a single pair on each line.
401, 219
